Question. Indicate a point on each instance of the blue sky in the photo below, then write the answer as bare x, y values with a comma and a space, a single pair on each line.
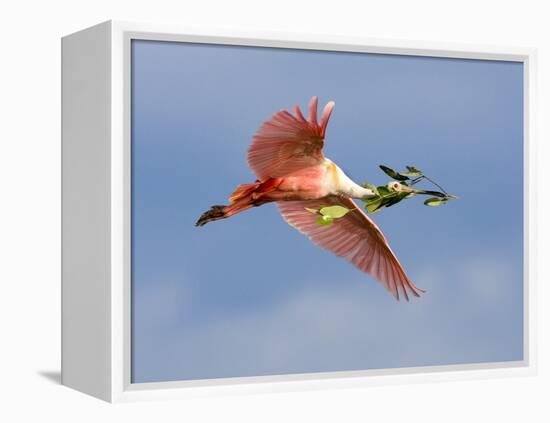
251, 296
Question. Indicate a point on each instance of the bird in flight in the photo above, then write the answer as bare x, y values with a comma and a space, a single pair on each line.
287, 158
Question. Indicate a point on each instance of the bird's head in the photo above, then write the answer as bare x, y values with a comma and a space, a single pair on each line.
398, 187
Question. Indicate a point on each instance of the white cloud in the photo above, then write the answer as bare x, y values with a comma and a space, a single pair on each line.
327, 328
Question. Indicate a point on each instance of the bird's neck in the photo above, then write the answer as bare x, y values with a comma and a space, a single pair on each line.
343, 185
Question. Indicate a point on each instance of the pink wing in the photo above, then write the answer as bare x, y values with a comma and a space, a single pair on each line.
355, 237
286, 143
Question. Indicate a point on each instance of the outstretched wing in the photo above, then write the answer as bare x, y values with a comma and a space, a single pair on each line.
355, 237
286, 143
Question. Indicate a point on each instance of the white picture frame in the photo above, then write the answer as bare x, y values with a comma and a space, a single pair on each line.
96, 213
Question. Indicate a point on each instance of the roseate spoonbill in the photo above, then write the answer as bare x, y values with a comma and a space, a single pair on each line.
286, 156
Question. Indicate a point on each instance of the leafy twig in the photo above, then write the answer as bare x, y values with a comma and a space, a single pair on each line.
390, 194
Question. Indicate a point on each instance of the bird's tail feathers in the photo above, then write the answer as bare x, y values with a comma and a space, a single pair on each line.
243, 198
244, 190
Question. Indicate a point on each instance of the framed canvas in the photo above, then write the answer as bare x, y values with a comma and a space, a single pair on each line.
170, 289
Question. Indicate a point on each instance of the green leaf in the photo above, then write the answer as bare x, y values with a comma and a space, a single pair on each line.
383, 191
374, 207
396, 198
412, 172
372, 187
334, 212
434, 193
434, 201
325, 220
393, 174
